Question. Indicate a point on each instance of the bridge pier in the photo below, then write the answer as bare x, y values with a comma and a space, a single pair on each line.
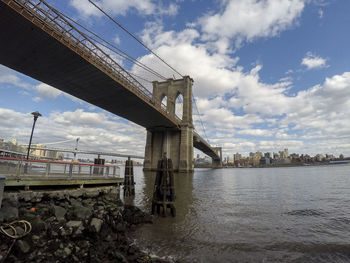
177, 144
217, 163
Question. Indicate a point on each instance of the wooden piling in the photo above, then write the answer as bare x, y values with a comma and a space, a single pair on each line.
164, 190
129, 183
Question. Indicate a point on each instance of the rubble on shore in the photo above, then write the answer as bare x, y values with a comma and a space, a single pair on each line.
81, 225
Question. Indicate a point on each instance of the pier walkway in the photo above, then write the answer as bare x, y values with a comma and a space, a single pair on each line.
39, 173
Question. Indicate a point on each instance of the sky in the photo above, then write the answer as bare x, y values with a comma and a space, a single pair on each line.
268, 75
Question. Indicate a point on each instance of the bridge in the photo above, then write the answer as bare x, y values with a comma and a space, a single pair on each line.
40, 42
74, 151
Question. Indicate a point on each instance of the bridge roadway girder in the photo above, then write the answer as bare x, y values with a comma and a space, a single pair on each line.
30, 50
213, 152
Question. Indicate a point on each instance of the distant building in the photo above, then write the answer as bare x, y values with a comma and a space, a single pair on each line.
237, 157
203, 161
319, 157
284, 153
14, 141
264, 161
267, 155
42, 153
281, 161
229, 160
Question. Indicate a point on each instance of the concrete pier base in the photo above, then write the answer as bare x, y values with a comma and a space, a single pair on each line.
175, 144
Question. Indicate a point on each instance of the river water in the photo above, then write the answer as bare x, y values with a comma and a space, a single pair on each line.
294, 214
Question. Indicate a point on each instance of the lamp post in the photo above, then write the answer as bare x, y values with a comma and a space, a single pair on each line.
36, 115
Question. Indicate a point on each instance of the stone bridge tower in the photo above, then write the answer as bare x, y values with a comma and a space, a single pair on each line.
177, 145
217, 163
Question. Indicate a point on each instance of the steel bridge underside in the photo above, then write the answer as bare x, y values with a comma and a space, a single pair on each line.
30, 50
200, 144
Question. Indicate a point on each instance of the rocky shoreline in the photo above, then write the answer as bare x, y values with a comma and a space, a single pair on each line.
79, 225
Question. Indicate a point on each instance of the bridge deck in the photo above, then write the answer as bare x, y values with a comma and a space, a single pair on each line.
35, 52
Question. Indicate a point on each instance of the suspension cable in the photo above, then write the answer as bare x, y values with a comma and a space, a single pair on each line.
133, 36
142, 78
117, 51
199, 115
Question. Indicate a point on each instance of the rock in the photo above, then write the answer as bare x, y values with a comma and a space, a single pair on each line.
109, 238
26, 196
19, 231
120, 257
51, 219
35, 238
74, 224
22, 246
67, 252
57, 195
131, 250
28, 215
63, 253
59, 212
77, 193
36, 197
84, 244
96, 224
81, 212
92, 193
64, 232
38, 225
8, 213
121, 227
87, 202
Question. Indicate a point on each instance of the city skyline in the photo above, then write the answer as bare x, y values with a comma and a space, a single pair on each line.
264, 80
14, 146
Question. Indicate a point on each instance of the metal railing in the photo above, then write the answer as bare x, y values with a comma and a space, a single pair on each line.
23, 167
66, 32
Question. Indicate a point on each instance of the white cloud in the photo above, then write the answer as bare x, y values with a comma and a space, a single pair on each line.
97, 131
249, 19
224, 88
320, 13
121, 7
8, 76
312, 61
46, 92
116, 40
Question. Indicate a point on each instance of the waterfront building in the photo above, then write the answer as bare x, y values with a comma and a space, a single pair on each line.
281, 161
229, 160
237, 157
267, 155
265, 161
43, 154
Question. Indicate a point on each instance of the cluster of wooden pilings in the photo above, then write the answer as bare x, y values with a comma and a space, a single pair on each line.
129, 183
164, 190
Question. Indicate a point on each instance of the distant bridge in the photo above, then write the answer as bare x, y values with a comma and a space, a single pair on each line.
87, 152
40, 42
